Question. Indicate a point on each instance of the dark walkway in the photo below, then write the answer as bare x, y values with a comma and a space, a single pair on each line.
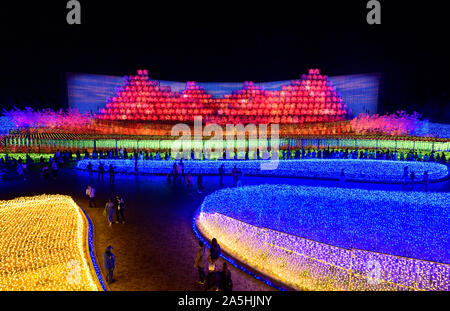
156, 248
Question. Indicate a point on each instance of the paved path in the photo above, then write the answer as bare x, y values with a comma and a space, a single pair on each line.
156, 248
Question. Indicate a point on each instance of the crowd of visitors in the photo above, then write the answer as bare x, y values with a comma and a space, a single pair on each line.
50, 168
122, 153
177, 174
286, 154
215, 280
12, 167
409, 178
114, 206
380, 154
212, 275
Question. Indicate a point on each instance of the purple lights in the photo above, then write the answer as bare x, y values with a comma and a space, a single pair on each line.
30, 118
361, 235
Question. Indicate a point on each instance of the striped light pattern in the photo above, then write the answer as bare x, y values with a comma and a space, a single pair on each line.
366, 170
274, 229
44, 246
47, 142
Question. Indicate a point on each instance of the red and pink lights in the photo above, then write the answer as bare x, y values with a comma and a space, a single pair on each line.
310, 99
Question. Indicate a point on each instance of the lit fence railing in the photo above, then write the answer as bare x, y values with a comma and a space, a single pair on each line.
392, 144
35, 143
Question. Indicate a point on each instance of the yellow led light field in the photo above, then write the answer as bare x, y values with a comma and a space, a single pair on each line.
43, 245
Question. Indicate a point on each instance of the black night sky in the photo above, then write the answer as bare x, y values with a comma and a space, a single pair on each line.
227, 41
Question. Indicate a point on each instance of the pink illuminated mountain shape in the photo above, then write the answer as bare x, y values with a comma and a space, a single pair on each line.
309, 99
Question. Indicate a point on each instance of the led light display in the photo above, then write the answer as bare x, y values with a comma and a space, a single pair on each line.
30, 118
49, 142
310, 99
363, 170
399, 123
45, 245
334, 239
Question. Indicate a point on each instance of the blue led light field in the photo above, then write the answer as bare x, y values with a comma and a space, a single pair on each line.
409, 224
362, 170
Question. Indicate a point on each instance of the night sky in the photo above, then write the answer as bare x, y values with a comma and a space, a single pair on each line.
227, 41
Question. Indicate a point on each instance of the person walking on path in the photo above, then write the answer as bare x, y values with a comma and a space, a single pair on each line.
212, 280
412, 176
405, 177
214, 252
425, 181
111, 174
44, 172
225, 284
119, 207
109, 211
239, 177
234, 174
101, 171
221, 173
25, 170
89, 167
19, 170
181, 168
200, 261
54, 169
90, 192
342, 179
109, 262
189, 183
175, 173
200, 183
180, 171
